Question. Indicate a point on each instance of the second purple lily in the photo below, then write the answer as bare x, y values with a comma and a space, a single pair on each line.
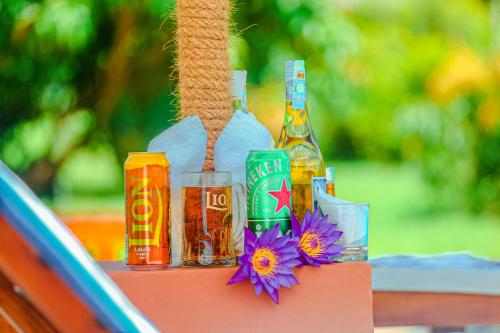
316, 239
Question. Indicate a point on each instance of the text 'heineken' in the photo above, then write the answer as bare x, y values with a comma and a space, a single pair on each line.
269, 189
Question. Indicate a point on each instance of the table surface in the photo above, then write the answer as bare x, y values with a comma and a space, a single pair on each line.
439, 291
198, 299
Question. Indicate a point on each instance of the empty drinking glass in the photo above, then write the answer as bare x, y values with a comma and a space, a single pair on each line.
352, 220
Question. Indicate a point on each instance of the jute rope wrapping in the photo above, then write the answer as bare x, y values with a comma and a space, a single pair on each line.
203, 64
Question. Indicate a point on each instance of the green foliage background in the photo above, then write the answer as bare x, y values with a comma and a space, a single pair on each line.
83, 82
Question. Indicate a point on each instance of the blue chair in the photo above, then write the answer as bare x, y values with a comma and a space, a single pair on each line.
57, 247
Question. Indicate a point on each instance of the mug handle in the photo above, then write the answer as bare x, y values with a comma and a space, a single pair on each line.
240, 221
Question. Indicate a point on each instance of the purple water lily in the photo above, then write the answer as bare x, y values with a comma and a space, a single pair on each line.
268, 262
316, 239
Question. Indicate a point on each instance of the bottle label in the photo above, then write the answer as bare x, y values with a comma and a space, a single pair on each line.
295, 76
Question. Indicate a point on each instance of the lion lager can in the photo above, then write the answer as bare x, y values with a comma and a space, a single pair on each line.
269, 190
147, 210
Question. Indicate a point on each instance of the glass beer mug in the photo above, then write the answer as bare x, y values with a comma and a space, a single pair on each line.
212, 228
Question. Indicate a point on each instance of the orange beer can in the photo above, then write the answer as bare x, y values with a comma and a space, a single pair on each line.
147, 210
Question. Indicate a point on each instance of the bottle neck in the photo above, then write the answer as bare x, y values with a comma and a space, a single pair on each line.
240, 103
239, 90
296, 117
296, 120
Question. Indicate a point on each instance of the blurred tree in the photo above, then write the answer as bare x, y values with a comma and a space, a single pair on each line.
417, 80
80, 73
398, 80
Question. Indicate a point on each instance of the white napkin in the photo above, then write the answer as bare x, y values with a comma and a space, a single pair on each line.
185, 146
243, 133
353, 224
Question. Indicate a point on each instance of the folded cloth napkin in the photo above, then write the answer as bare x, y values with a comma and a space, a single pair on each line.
243, 133
185, 146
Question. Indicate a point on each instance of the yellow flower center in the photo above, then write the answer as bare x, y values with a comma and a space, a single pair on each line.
311, 244
263, 261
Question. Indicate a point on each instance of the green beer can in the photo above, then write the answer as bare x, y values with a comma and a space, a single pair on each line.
269, 190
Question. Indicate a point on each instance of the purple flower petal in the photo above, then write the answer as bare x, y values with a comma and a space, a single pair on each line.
250, 236
281, 242
320, 245
334, 236
315, 215
267, 286
284, 281
258, 288
336, 248
273, 282
243, 259
305, 223
247, 269
284, 258
308, 259
240, 275
283, 269
275, 256
291, 279
274, 296
250, 239
308, 216
292, 263
325, 227
274, 232
295, 225
327, 261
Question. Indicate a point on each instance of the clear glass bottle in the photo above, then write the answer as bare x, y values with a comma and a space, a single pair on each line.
298, 139
239, 90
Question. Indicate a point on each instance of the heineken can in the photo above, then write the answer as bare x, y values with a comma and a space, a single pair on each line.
269, 190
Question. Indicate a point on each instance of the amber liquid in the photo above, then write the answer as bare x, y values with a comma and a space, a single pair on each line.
302, 172
330, 189
207, 226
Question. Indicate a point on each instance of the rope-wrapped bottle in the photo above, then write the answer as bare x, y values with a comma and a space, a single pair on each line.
203, 63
